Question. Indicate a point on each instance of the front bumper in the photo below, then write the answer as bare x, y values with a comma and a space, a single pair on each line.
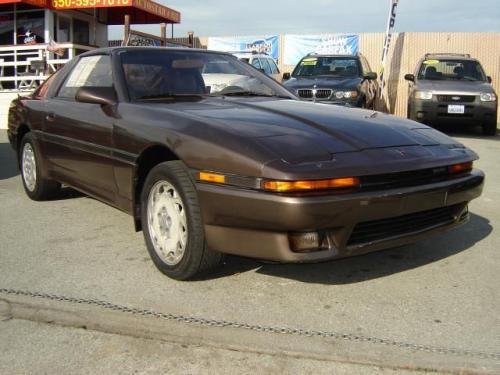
257, 224
434, 112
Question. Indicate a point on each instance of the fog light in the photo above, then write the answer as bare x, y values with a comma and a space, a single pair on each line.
307, 242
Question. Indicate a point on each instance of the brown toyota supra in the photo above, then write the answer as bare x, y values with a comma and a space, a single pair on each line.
211, 156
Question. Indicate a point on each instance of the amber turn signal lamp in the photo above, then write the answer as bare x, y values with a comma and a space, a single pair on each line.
308, 185
212, 177
458, 168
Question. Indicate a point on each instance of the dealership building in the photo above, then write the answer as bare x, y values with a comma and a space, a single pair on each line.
37, 37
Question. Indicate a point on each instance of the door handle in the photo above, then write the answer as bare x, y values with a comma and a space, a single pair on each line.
50, 116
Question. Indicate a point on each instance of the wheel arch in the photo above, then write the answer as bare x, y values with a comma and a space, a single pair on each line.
22, 130
147, 160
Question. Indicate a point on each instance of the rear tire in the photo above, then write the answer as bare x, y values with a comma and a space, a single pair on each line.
172, 223
35, 185
490, 128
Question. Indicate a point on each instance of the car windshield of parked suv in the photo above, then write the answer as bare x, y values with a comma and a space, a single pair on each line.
167, 74
451, 70
327, 66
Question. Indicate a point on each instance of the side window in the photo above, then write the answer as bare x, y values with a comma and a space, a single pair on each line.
274, 67
266, 66
90, 71
256, 63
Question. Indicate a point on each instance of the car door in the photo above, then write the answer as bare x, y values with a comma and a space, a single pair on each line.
79, 135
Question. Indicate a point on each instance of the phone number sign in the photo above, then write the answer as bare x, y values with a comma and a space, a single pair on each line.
72, 4
146, 5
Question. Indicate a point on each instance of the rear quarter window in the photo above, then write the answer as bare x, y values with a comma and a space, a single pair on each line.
274, 67
90, 71
256, 63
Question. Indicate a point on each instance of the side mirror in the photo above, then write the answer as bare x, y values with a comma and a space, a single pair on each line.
410, 77
286, 76
489, 79
96, 95
371, 76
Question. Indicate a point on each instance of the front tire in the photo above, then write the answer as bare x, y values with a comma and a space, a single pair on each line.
35, 185
172, 223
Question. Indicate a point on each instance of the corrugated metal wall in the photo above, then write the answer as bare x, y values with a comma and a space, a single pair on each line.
408, 48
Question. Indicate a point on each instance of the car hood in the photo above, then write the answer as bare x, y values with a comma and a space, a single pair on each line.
301, 132
468, 87
323, 82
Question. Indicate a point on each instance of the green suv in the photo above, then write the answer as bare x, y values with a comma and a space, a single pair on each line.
452, 88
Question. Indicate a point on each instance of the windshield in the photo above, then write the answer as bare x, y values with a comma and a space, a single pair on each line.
451, 70
327, 66
158, 74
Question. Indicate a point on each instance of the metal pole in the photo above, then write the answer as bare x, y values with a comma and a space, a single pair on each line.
163, 34
95, 28
191, 39
126, 29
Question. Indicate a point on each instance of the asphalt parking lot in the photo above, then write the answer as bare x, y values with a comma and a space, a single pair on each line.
439, 294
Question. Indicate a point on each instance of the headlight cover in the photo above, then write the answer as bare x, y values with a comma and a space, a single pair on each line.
346, 94
423, 95
488, 97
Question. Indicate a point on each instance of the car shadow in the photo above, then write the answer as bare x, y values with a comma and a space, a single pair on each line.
8, 163
370, 266
67, 193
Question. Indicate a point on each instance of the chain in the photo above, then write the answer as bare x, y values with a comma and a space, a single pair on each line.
251, 327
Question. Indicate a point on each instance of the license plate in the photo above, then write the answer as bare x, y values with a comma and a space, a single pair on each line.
456, 109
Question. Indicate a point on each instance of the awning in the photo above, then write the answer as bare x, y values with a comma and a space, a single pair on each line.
140, 11
37, 3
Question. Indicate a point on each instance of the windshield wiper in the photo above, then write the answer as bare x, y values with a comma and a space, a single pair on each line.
469, 79
171, 96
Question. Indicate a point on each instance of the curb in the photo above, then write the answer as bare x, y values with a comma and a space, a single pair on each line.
223, 337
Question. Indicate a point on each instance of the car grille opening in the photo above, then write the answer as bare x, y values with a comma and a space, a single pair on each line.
378, 230
314, 93
307, 94
406, 179
323, 93
456, 98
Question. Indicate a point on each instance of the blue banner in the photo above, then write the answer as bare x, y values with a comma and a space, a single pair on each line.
298, 46
267, 44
